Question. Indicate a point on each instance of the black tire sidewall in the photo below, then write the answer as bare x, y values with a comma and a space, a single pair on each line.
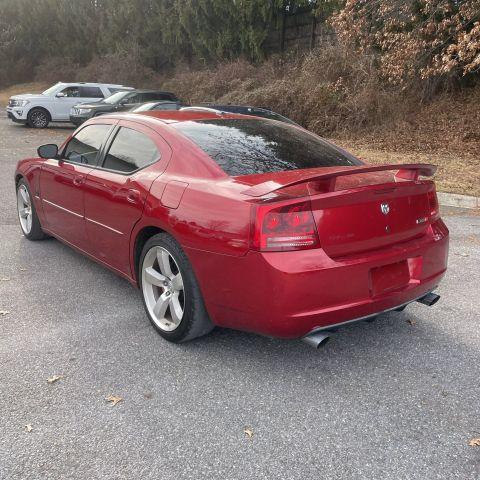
195, 321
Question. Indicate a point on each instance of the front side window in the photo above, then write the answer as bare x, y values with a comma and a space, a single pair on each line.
250, 146
91, 92
84, 146
129, 151
117, 97
71, 92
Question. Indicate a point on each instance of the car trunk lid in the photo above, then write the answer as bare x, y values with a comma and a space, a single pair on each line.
359, 208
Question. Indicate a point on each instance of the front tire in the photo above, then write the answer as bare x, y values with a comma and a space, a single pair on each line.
38, 118
27, 215
170, 292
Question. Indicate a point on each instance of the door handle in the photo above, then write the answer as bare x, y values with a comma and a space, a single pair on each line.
133, 196
78, 181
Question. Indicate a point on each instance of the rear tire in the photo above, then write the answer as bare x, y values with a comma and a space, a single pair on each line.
170, 292
38, 118
27, 215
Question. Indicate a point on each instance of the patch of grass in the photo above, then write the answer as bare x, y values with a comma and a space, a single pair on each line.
457, 173
34, 87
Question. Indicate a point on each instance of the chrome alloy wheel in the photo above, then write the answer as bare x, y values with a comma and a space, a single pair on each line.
24, 207
162, 286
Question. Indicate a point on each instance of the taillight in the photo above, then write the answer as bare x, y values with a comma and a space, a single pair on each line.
289, 227
433, 204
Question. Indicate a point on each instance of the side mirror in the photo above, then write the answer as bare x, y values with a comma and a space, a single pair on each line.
60, 95
50, 150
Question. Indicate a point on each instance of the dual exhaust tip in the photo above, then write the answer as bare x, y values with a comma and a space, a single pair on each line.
320, 339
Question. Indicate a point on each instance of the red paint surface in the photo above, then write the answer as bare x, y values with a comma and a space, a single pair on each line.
366, 262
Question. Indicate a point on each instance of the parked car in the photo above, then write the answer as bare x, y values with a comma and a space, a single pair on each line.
162, 105
55, 103
118, 102
248, 110
237, 221
242, 109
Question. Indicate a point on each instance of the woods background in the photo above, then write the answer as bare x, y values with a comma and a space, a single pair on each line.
379, 76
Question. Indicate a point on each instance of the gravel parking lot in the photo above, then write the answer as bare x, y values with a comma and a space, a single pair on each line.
395, 399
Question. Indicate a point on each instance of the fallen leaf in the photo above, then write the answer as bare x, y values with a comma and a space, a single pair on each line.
411, 322
54, 378
248, 432
113, 399
462, 254
474, 442
28, 428
148, 395
23, 269
4, 312
4, 279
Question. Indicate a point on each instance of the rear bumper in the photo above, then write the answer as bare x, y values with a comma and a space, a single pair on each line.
291, 294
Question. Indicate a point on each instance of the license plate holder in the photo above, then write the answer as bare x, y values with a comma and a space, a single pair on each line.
388, 278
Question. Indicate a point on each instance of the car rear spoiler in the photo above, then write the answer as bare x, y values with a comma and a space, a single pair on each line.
327, 180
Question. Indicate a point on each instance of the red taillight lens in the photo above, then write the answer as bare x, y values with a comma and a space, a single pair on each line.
289, 227
433, 203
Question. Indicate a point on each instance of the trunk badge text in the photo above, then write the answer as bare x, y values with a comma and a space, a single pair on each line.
385, 208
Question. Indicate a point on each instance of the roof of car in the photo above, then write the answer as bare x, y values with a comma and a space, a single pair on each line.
93, 84
141, 90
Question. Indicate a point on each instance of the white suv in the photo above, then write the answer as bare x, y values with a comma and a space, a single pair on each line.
54, 104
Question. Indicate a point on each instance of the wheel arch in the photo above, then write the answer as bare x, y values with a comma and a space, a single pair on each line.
40, 107
140, 240
18, 177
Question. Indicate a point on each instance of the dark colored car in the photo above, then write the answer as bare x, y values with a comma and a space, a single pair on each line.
118, 102
241, 109
240, 222
246, 110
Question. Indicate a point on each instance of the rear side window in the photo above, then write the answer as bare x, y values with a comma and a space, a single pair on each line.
84, 146
250, 146
129, 151
154, 96
91, 92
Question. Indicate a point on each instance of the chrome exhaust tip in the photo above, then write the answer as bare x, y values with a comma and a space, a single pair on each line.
429, 299
316, 340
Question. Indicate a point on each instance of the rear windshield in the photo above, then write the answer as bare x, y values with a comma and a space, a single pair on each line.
249, 146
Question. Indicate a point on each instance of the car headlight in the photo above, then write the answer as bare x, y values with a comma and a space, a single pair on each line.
83, 111
18, 103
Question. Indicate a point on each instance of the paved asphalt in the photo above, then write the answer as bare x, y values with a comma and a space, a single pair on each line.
385, 400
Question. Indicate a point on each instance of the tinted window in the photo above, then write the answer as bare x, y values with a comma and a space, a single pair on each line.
244, 147
91, 92
130, 151
152, 96
84, 146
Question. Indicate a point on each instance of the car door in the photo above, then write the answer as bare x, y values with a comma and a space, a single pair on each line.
116, 191
65, 99
62, 183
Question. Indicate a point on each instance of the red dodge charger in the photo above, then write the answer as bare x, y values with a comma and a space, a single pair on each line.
237, 221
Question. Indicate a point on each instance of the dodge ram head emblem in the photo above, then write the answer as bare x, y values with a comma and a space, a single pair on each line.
385, 208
